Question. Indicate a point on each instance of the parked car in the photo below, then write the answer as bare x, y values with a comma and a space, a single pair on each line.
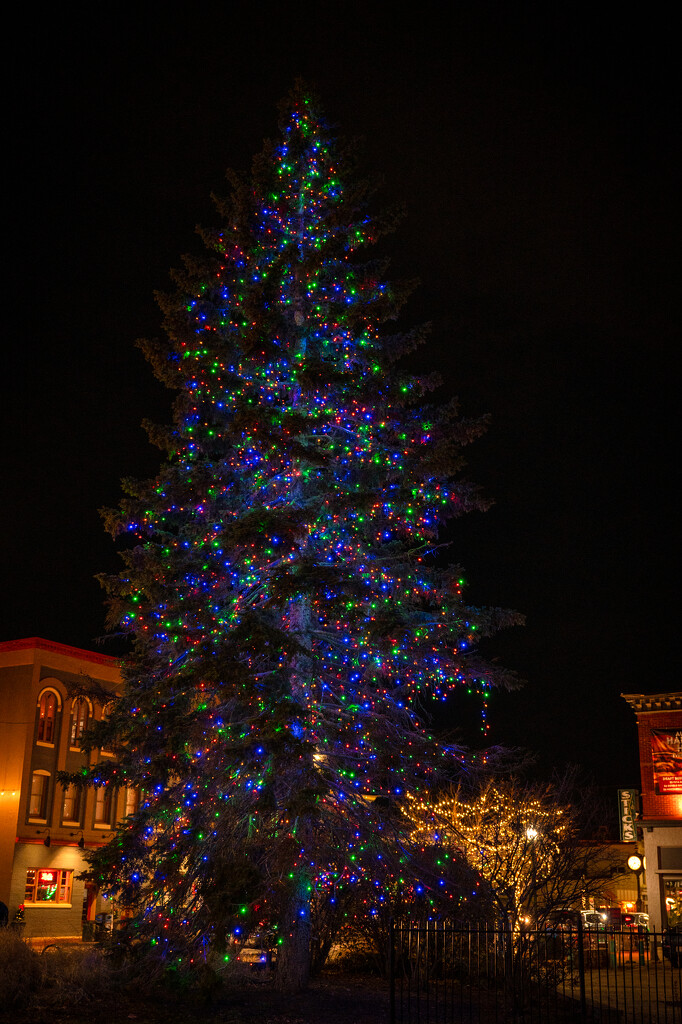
612, 917
593, 919
638, 922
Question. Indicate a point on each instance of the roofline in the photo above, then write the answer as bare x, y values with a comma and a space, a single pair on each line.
654, 701
38, 643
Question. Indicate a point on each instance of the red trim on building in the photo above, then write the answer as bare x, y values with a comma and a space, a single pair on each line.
36, 642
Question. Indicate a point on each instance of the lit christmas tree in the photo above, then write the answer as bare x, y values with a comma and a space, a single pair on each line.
285, 597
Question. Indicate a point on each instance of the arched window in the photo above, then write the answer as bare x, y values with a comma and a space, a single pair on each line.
48, 705
80, 713
106, 711
40, 787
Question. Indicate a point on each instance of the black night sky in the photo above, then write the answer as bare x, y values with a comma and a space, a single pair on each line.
537, 154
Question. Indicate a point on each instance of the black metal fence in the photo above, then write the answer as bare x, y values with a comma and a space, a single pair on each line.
442, 974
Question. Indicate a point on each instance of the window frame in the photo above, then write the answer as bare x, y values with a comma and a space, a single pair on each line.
41, 719
76, 794
108, 803
64, 887
132, 801
77, 724
106, 711
41, 816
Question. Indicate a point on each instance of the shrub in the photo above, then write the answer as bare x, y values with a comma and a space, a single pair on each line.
19, 972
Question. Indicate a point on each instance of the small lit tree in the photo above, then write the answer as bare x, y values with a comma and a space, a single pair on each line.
535, 847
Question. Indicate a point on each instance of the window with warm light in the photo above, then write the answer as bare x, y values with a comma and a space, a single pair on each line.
80, 714
48, 887
71, 809
103, 802
106, 711
132, 800
47, 718
37, 804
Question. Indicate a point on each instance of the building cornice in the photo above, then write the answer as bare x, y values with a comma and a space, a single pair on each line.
37, 643
642, 702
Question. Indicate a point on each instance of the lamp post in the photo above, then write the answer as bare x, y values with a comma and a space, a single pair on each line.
531, 836
636, 863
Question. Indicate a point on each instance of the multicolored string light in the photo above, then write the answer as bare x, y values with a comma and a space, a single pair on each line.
286, 594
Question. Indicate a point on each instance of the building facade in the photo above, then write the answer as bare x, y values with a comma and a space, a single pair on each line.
46, 704
659, 727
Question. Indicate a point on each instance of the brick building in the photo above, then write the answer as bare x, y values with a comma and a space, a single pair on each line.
44, 826
659, 727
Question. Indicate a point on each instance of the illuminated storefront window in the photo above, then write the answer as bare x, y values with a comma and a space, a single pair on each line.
672, 894
49, 886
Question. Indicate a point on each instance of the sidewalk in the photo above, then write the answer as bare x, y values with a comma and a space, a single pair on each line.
642, 991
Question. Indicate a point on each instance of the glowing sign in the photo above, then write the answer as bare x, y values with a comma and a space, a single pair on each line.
627, 800
666, 747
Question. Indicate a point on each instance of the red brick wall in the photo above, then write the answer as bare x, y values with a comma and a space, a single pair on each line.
656, 805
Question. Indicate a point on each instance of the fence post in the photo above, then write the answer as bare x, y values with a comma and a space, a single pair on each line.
613, 962
509, 979
581, 970
391, 970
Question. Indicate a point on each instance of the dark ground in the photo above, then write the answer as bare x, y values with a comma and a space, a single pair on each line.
334, 998
329, 1000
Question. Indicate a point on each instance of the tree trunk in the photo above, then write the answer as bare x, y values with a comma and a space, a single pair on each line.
293, 959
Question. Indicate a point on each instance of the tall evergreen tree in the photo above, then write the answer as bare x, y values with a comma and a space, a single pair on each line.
285, 601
